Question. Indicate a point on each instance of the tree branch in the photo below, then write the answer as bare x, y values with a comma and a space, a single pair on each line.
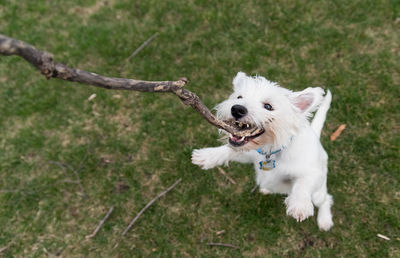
43, 61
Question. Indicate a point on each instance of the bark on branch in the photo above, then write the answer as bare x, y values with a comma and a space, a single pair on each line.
43, 61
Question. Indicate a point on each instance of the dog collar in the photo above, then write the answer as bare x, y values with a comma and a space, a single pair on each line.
268, 163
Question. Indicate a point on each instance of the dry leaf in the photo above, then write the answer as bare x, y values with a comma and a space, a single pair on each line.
338, 131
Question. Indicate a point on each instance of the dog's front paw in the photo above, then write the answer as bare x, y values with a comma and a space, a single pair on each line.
264, 191
299, 209
204, 158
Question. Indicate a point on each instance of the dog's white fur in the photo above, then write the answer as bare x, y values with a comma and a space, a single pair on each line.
301, 165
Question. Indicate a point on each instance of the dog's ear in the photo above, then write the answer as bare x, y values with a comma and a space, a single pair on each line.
308, 100
238, 80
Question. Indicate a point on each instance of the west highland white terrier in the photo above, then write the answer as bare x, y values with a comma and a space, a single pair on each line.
284, 147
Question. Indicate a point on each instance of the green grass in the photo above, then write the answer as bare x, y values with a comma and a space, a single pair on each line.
133, 145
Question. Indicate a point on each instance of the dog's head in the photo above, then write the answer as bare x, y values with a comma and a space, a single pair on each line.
276, 112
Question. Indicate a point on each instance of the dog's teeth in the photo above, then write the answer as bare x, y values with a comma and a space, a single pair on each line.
230, 135
242, 139
247, 125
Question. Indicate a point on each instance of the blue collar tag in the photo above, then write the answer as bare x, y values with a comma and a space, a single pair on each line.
268, 163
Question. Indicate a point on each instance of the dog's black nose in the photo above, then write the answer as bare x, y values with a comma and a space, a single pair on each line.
238, 111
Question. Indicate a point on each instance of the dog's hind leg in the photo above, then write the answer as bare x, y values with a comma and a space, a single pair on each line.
323, 201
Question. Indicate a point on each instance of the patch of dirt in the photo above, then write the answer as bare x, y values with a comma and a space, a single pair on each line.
313, 242
86, 12
121, 187
126, 122
12, 127
142, 153
106, 159
257, 251
383, 39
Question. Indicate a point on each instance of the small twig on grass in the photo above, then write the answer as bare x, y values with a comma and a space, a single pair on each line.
8, 191
220, 232
254, 188
60, 165
149, 204
67, 181
226, 175
383, 237
65, 166
100, 224
142, 46
39, 189
223, 244
75, 171
21, 191
5, 248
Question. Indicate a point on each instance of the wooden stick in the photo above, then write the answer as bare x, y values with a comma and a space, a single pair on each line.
142, 46
223, 244
226, 175
149, 204
43, 61
101, 223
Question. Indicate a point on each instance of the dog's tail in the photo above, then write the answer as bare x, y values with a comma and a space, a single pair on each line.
319, 118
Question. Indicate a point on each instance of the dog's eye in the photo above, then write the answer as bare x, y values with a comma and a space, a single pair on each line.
268, 107
239, 97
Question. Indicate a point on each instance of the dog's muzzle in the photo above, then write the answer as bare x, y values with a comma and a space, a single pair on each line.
238, 141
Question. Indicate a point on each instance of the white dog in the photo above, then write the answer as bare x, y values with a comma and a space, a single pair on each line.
284, 147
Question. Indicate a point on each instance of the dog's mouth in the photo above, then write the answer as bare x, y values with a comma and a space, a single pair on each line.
238, 141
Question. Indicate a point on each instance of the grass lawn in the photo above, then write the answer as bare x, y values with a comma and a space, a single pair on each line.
127, 147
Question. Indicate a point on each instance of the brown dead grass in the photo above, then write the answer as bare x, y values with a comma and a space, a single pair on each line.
86, 12
126, 122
